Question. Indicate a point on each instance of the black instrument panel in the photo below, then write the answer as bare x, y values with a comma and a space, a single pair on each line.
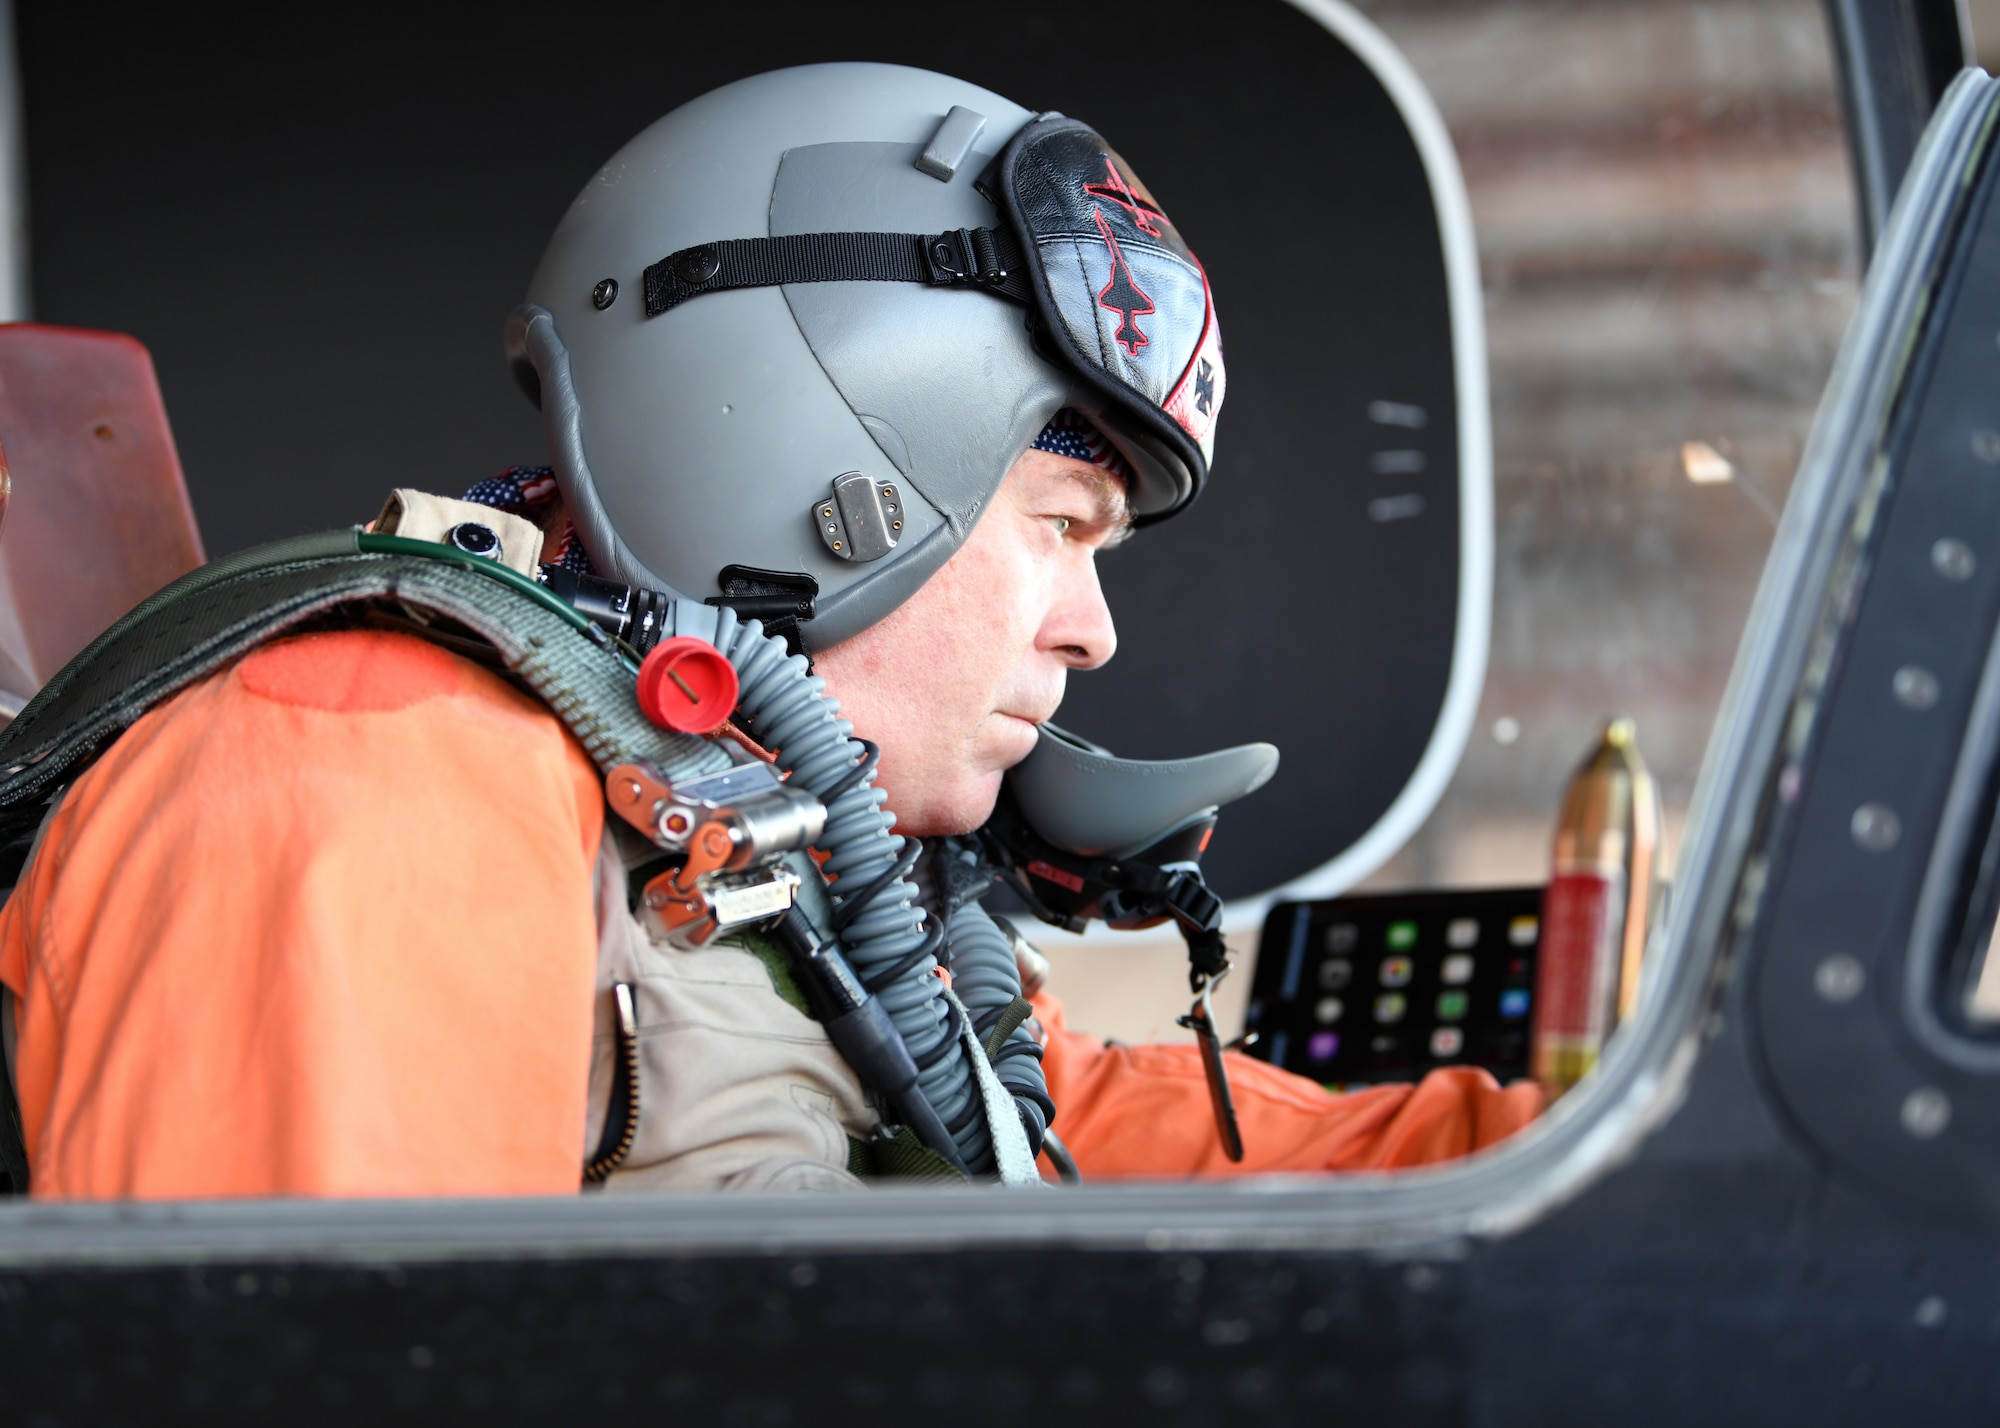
1386, 987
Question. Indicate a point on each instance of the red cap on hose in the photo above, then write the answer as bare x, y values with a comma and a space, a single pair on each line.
687, 685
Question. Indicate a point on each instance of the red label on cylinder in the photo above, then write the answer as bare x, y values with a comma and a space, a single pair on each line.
1582, 918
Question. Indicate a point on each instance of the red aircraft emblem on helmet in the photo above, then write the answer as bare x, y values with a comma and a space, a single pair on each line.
1122, 294
1120, 193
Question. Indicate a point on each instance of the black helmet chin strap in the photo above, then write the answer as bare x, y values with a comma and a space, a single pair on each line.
988, 258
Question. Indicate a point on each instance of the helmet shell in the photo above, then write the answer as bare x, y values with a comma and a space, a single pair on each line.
707, 436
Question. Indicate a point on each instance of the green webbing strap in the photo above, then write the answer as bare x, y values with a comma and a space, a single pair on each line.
1018, 1011
777, 962
904, 1157
214, 615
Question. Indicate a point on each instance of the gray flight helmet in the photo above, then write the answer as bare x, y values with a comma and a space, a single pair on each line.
713, 435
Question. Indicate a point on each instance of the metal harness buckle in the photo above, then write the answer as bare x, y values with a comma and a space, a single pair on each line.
966, 255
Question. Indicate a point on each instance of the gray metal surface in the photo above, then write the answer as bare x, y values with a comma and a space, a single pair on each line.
1888, 807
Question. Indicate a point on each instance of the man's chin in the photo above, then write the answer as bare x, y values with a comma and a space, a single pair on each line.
964, 810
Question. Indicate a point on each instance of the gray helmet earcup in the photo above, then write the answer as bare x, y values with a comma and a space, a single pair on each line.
706, 436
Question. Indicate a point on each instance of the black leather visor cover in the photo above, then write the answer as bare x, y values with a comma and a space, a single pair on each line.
1121, 296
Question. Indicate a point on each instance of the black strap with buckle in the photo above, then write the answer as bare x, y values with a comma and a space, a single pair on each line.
988, 258
783, 599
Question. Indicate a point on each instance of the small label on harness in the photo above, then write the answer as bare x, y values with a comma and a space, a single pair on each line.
1050, 874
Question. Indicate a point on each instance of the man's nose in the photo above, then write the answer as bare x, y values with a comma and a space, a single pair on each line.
1078, 629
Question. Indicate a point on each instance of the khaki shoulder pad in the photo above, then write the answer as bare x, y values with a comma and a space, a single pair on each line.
417, 515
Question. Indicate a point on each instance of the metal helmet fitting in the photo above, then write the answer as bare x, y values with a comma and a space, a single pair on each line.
804, 324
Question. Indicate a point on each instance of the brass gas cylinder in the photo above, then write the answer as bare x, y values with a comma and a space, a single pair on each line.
1597, 908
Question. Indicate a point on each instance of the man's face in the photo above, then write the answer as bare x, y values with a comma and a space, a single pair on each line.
952, 685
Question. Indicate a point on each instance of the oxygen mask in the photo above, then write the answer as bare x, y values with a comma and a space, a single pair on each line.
1081, 834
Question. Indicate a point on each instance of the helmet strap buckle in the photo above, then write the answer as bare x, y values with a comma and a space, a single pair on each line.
782, 599
970, 256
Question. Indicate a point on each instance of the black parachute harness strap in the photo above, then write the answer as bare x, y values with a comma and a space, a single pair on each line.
207, 619
1117, 298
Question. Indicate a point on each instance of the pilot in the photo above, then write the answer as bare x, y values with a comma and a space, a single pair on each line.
867, 353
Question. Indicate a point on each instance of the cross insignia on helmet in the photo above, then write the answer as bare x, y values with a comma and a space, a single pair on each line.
1204, 387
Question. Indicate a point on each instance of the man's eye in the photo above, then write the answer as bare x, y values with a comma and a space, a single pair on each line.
1062, 524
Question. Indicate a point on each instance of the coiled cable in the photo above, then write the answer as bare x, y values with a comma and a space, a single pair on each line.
988, 978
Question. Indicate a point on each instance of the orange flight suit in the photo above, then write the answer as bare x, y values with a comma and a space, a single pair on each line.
1137, 1112
319, 925
323, 924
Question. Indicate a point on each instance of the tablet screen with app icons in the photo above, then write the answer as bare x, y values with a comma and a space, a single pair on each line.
1359, 990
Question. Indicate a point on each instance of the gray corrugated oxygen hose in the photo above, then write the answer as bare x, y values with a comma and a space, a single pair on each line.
987, 978
876, 916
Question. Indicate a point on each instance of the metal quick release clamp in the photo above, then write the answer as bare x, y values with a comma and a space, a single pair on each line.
733, 829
